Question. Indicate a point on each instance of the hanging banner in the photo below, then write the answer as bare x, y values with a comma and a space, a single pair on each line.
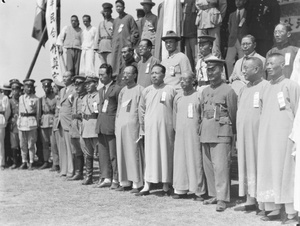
55, 59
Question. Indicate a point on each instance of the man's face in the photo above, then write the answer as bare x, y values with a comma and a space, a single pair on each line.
249, 70
281, 34
15, 91
247, 46
214, 73
129, 76
147, 8
274, 67
171, 45
47, 88
74, 22
104, 77
28, 88
144, 49
79, 86
205, 48
126, 53
91, 86
119, 8
239, 3
186, 82
67, 78
107, 13
157, 77
86, 21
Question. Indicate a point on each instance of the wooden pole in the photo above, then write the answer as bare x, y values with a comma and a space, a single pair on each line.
37, 52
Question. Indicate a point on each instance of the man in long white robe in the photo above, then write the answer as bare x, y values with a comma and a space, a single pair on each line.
156, 112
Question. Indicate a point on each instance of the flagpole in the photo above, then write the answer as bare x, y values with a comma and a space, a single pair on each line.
42, 40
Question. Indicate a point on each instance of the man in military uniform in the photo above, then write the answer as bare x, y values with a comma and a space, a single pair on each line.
48, 103
218, 119
28, 122
76, 127
14, 132
90, 111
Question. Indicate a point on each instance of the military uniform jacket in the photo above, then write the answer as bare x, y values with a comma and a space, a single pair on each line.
29, 112
48, 111
14, 106
218, 114
108, 104
76, 123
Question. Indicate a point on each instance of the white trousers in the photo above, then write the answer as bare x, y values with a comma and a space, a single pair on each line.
87, 62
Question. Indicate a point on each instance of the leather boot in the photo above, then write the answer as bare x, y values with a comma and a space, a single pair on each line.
89, 171
79, 168
15, 159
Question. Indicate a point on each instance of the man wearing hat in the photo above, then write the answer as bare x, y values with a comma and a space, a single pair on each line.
48, 104
4, 115
67, 95
28, 122
14, 132
176, 63
89, 109
125, 32
76, 127
218, 120
104, 36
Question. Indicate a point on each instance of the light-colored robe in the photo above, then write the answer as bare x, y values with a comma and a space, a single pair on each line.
156, 121
275, 165
248, 115
188, 169
127, 133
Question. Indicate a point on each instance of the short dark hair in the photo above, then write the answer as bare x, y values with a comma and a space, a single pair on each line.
134, 69
130, 49
251, 37
74, 16
120, 1
149, 43
87, 16
108, 68
163, 68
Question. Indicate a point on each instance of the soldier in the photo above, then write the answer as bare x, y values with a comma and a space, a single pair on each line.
90, 104
76, 127
28, 122
14, 132
48, 104
218, 119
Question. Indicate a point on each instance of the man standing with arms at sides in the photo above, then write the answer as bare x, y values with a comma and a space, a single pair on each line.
156, 112
248, 46
14, 132
146, 63
188, 175
176, 63
70, 39
282, 33
48, 104
4, 116
103, 44
105, 128
67, 95
218, 120
28, 122
248, 116
76, 127
125, 32
88, 38
275, 163
127, 133
149, 22
90, 113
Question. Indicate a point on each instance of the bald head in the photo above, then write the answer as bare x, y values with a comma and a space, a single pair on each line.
253, 69
67, 77
274, 66
187, 80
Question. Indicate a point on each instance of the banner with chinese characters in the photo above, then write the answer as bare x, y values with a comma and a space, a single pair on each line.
51, 20
293, 21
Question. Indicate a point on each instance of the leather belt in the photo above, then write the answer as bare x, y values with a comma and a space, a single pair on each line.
91, 116
27, 114
211, 114
77, 116
48, 113
106, 37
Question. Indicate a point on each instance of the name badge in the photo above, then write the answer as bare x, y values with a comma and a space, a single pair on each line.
104, 107
172, 70
242, 22
190, 111
163, 97
281, 101
287, 58
124, 104
120, 28
70, 98
95, 106
147, 68
256, 100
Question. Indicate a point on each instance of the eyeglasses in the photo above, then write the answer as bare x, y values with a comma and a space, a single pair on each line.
77, 83
143, 47
279, 32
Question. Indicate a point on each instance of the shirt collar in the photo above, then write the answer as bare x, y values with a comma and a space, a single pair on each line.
173, 54
108, 85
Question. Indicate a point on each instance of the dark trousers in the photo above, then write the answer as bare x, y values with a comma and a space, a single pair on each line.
108, 156
73, 60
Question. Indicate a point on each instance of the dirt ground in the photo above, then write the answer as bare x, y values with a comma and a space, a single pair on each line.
41, 197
